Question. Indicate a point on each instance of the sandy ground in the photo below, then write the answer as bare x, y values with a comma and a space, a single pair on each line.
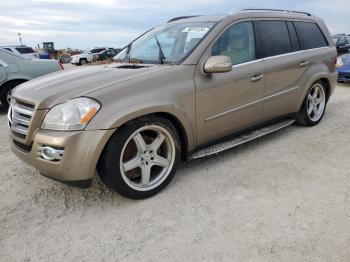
285, 197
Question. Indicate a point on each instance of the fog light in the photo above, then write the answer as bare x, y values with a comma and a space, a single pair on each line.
50, 153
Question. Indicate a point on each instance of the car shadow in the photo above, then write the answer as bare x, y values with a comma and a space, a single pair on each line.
2, 110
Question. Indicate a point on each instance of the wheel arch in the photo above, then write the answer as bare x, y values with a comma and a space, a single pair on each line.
8, 81
175, 120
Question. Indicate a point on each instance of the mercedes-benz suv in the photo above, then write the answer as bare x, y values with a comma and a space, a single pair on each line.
190, 88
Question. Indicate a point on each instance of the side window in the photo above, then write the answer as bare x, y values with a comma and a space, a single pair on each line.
238, 42
8, 49
274, 37
294, 40
311, 35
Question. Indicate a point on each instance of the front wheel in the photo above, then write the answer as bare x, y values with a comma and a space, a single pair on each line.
6, 92
314, 106
141, 158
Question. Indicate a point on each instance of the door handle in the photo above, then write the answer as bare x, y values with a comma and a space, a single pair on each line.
257, 77
303, 64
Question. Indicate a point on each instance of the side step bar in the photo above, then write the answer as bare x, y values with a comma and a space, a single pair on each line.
246, 137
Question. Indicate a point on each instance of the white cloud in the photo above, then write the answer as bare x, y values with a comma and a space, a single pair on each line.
82, 23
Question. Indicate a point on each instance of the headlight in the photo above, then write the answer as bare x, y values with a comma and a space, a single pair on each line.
74, 114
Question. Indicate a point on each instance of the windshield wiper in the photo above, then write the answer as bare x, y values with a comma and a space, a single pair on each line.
161, 54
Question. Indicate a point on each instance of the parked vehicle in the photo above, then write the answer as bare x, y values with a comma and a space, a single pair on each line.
23, 50
106, 54
343, 68
16, 69
197, 86
342, 43
87, 56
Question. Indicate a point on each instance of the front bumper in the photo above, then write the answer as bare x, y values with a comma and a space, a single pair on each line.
344, 77
77, 166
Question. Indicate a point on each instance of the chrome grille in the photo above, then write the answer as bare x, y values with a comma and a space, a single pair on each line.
20, 116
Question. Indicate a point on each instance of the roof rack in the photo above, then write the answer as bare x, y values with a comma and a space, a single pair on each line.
275, 10
181, 17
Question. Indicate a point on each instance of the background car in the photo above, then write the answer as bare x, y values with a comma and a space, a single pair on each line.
342, 42
344, 68
87, 56
23, 50
106, 54
16, 69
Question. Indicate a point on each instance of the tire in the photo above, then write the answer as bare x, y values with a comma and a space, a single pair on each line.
5, 93
83, 61
314, 105
153, 145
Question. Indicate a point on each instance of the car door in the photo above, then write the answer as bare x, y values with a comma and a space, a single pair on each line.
229, 102
284, 66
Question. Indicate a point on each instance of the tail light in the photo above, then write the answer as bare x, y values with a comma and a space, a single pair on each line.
61, 65
335, 60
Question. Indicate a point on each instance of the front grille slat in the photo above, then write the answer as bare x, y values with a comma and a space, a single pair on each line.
20, 116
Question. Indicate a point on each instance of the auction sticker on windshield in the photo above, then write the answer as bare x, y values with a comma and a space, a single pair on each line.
195, 29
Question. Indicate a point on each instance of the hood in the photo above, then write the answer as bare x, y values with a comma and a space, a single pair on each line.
56, 88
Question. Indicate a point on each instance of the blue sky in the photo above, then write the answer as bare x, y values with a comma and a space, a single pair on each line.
87, 23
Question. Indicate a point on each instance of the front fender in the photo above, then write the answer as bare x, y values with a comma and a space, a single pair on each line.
113, 119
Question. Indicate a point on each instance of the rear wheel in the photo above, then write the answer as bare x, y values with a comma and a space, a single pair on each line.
6, 92
141, 158
314, 106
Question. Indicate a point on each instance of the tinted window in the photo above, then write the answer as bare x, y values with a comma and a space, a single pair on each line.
274, 38
8, 49
25, 50
311, 35
294, 40
237, 42
96, 50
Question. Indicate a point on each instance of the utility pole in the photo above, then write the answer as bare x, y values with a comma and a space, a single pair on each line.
20, 37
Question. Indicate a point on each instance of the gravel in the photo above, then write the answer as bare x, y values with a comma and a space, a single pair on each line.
285, 197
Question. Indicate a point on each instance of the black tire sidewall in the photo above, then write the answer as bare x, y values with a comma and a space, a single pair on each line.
5, 90
303, 116
109, 169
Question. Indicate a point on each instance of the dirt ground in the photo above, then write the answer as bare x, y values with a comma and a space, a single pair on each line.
285, 197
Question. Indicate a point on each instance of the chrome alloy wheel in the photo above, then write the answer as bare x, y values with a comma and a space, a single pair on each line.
147, 157
316, 102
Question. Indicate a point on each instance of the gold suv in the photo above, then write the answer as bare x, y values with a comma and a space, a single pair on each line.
187, 89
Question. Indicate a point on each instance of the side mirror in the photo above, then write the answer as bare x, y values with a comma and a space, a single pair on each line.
217, 64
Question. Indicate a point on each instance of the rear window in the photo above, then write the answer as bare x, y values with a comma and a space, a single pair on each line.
8, 49
25, 50
311, 35
97, 50
274, 37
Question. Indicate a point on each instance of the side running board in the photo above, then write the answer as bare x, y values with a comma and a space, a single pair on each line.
246, 137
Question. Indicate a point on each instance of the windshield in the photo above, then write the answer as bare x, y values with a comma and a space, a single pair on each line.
335, 39
25, 50
166, 44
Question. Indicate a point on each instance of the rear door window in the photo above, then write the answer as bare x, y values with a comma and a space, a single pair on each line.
311, 35
25, 50
274, 37
294, 40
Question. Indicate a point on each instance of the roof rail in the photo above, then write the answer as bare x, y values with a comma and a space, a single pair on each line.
181, 17
274, 10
